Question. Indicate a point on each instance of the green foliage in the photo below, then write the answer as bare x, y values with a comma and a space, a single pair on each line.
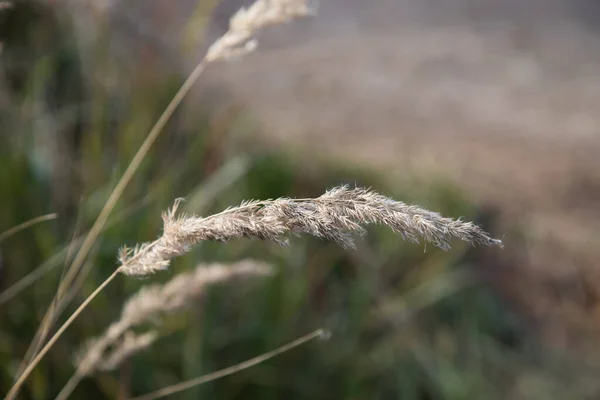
406, 321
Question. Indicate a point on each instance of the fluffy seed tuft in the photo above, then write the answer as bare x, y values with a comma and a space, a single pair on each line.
152, 302
337, 215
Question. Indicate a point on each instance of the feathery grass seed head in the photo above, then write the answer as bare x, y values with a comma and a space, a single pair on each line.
152, 302
338, 215
243, 26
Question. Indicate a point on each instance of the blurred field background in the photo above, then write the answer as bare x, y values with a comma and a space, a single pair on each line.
482, 109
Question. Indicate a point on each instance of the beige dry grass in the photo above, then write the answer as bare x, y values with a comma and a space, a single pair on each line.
334, 216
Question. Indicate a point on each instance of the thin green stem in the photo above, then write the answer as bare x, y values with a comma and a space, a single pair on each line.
230, 370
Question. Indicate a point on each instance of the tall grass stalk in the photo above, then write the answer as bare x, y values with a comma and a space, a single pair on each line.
236, 41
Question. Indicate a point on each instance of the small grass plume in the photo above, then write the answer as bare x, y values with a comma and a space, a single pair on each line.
150, 303
238, 40
154, 301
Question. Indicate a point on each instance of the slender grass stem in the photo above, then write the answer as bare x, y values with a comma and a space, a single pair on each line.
230, 370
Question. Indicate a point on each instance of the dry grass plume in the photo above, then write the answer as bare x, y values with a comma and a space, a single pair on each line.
335, 216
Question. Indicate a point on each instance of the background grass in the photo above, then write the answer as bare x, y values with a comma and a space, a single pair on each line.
406, 321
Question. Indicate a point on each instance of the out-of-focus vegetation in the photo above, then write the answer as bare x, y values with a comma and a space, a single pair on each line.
407, 321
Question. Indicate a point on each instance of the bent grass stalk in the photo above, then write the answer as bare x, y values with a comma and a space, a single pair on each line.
319, 333
21, 227
236, 42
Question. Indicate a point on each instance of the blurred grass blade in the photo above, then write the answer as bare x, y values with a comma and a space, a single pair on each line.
59, 257
319, 333
21, 227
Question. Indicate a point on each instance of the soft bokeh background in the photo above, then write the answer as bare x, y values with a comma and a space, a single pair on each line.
482, 109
